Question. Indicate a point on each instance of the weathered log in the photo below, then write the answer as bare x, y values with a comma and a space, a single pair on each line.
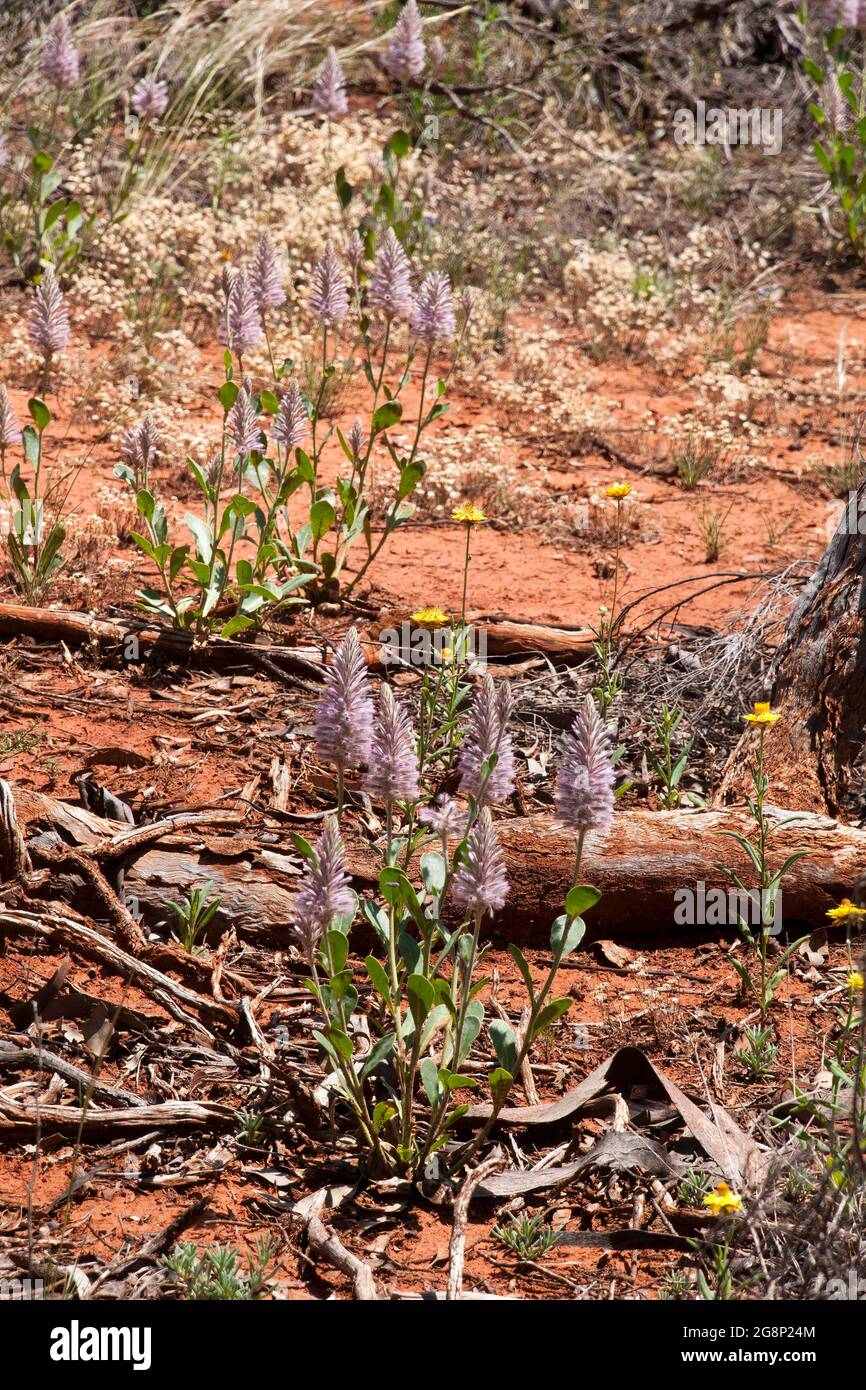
648, 858
818, 683
137, 637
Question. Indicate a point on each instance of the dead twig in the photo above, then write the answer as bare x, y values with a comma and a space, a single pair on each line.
457, 1246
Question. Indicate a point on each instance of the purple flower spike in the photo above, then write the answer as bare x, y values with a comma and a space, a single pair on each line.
265, 276
391, 286
393, 774
292, 423
244, 324
445, 819
140, 448
480, 883
9, 430
329, 299
324, 891
344, 713
242, 427
49, 320
329, 89
433, 316
404, 58
487, 734
357, 440
584, 783
60, 62
149, 98
354, 254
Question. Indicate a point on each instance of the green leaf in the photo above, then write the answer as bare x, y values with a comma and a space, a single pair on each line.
410, 477
523, 966
580, 899
421, 996
39, 413
549, 1014
378, 1053
500, 1082
322, 518
504, 1043
387, 415
566, 935
433, 873
379, 979
430, 1081
228, 394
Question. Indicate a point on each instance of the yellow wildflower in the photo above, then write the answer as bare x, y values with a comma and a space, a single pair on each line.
845, 910
468, 513
430, 617
855, 981
723, 1199
618, 490
762, 714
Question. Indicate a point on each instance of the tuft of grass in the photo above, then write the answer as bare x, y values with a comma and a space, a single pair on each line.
529, 1237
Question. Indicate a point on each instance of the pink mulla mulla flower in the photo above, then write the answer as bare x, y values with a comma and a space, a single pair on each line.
265, 276
324, 892
487, 733
354, 254
49, 320
357, 439
433, 317
149, 98
344, 712
583, 792
60, 61
244, 326
480, 883
292, 423
242, 426
393, 771
329, 297
391, 285
10, 432
140, 448
445, 819
405, 54
4, 152
329, 89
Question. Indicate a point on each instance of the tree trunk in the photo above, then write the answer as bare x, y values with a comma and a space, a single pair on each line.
818, 684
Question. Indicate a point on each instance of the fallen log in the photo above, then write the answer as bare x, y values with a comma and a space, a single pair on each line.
137, 637
644, 867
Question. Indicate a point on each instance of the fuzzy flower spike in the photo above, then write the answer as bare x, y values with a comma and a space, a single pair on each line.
329, 298
391, 285
242, 330
60, 62
487, 733
583, 793
393, 774
480, 884
344, 713
405, 54
265, 276
324, 892
49, 320
329, 89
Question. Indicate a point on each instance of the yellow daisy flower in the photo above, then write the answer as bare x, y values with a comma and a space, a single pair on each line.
723, 1199
618, 490
855, 981
845, 910
469, 514
763, 714
430, 617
